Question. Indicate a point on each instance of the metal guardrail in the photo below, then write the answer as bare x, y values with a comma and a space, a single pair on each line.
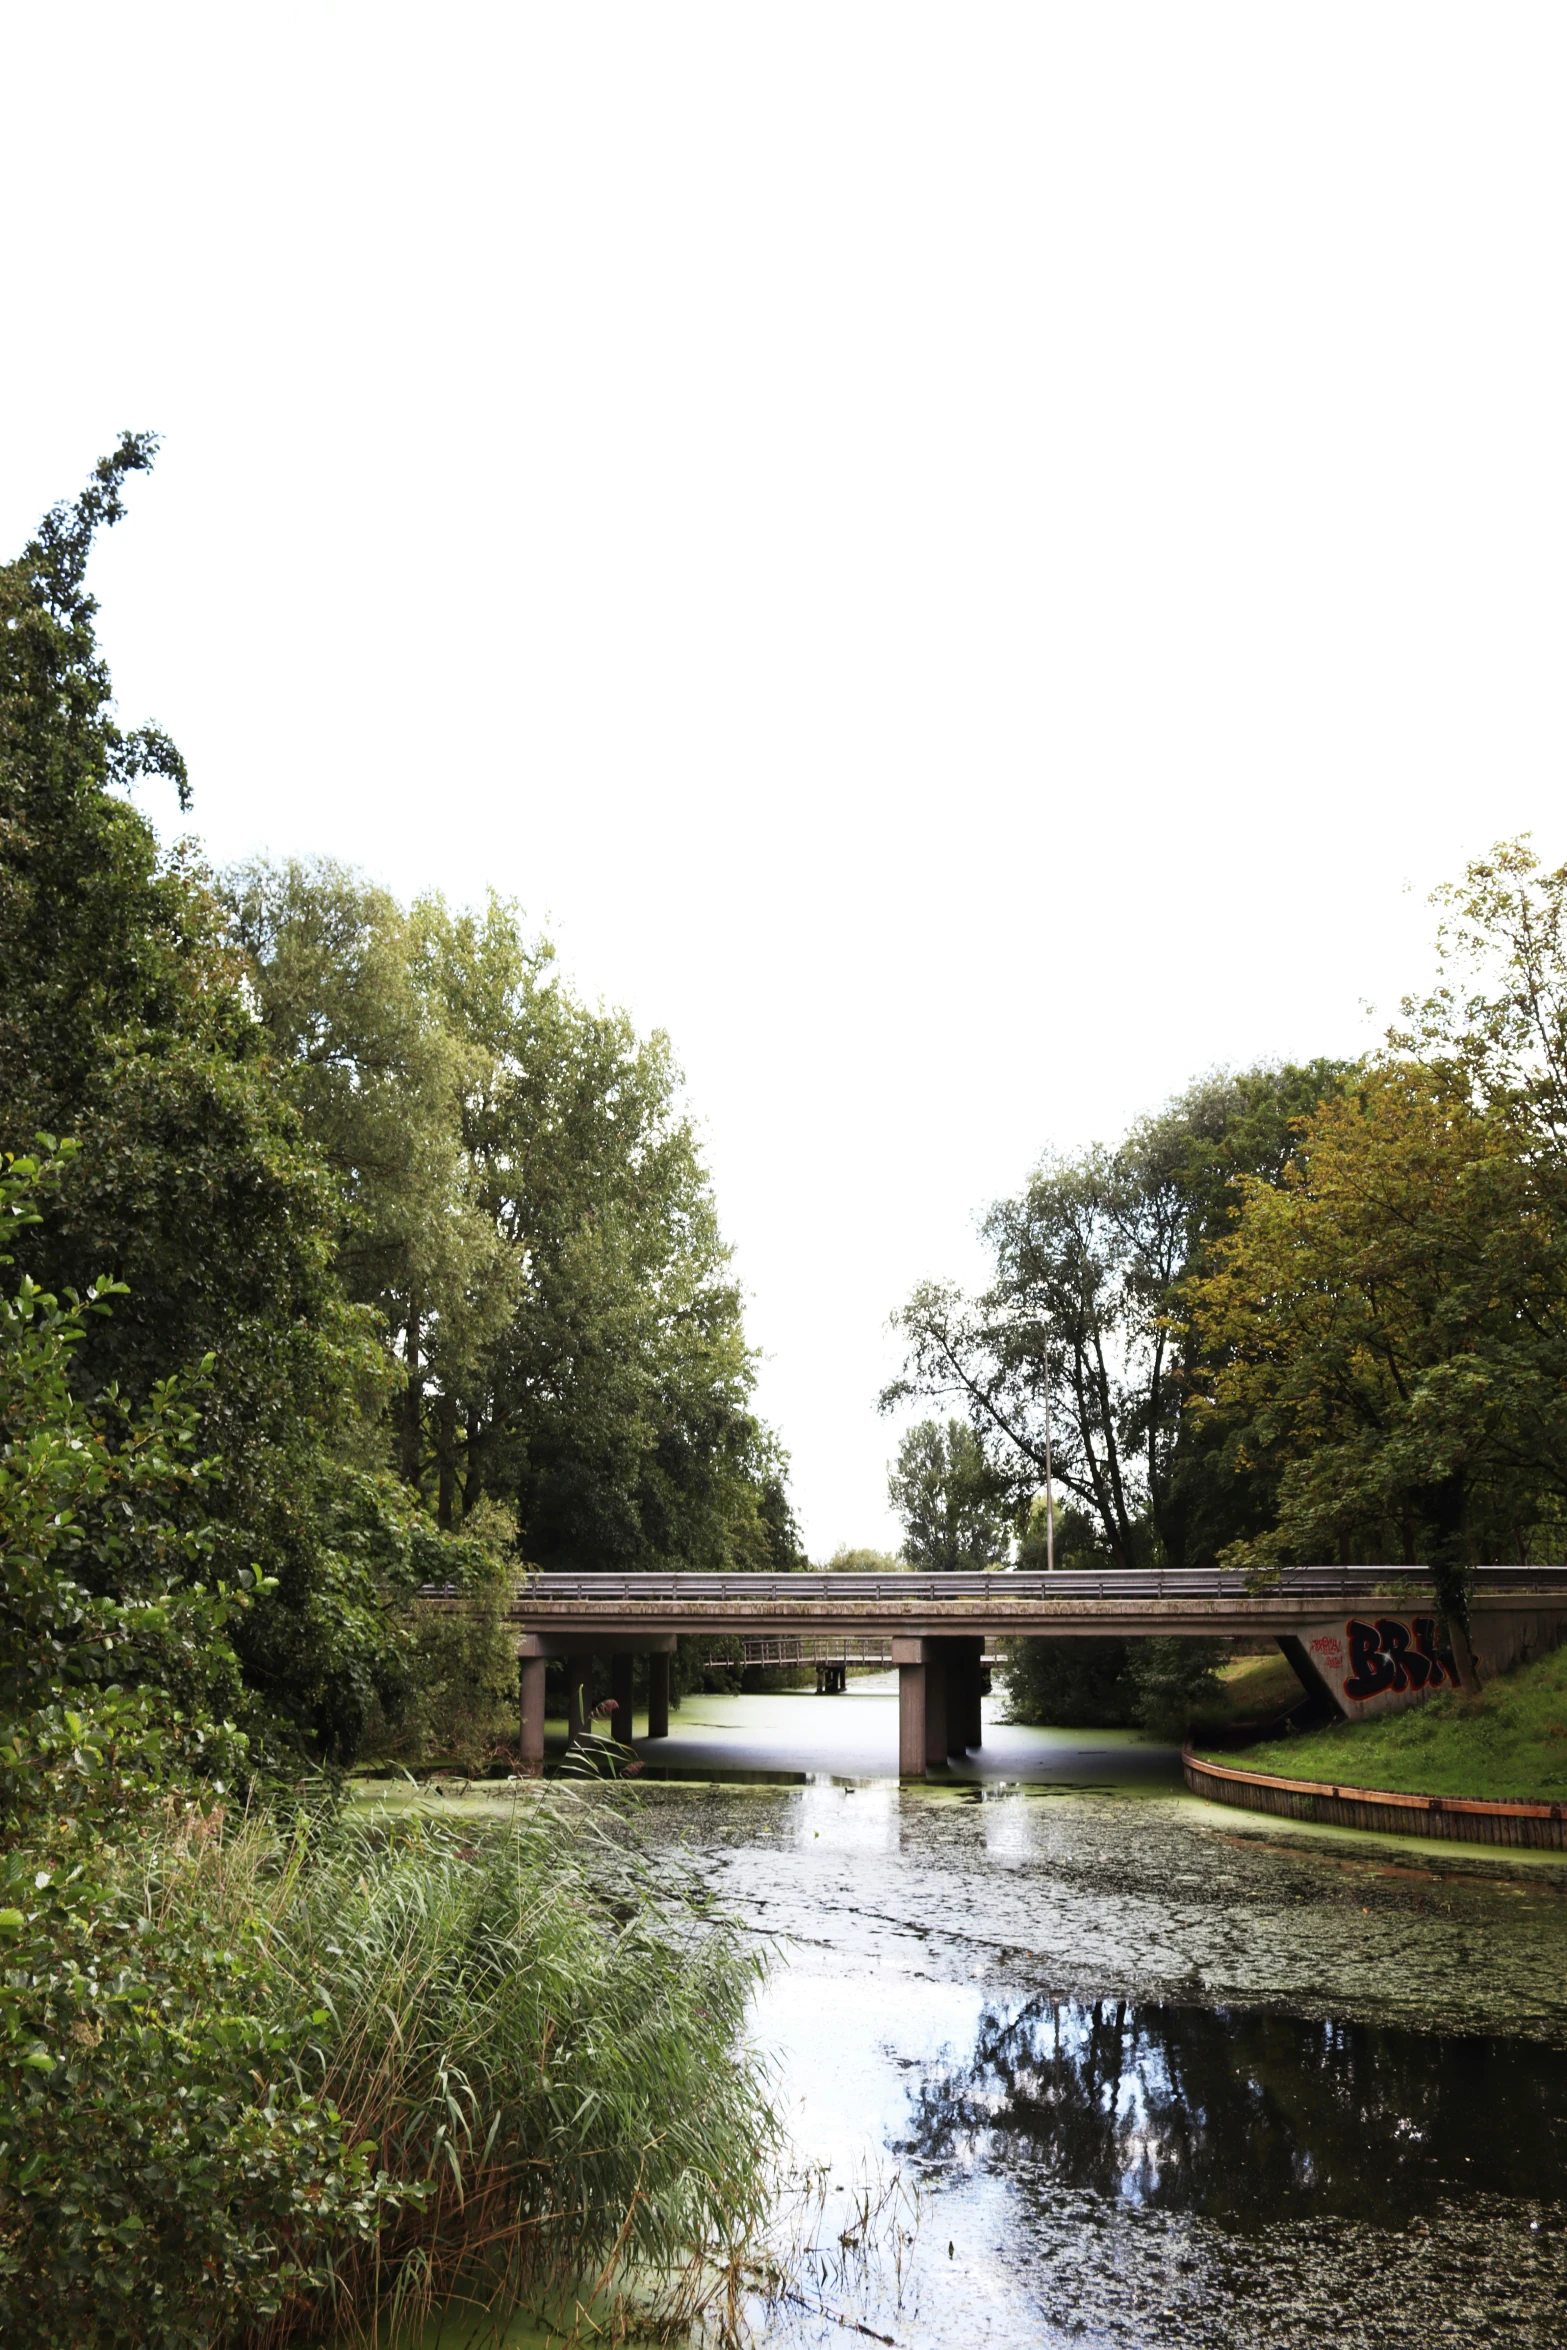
1007, 1586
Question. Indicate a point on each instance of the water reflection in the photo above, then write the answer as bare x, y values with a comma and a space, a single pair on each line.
1246, 2118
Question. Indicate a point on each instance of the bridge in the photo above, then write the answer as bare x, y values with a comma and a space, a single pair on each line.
1371, 1632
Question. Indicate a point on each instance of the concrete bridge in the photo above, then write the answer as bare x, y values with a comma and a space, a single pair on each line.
1364, 1638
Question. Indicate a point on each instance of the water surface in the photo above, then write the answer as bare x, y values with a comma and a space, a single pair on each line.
1129, 2068
1155, 2073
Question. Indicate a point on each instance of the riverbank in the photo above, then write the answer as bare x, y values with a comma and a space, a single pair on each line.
1508, 1744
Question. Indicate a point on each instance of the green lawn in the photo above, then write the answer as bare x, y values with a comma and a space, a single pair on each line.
1509, 1743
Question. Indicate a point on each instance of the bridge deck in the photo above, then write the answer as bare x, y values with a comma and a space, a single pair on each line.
1192, 1601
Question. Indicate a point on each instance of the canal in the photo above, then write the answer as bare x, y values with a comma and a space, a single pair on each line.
1111, 2066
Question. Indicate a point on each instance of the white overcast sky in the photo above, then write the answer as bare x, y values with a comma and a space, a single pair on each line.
970, 562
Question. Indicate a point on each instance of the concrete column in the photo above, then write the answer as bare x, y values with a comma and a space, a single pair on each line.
658, 1696
911, 1712
620, 1671
579, 1699
530, 1674
936, 1702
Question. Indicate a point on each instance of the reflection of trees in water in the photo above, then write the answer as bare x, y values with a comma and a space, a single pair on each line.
1246, 2116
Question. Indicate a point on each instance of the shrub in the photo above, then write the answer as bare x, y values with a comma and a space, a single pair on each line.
1069, 1684
1156, 1685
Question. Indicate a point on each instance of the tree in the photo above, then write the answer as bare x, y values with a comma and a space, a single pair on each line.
115, 1664
381, 1074
1388, 1325
1082, 1322
127, 1024
1384, 1329
949, 1500
1499, 1016
526, 1210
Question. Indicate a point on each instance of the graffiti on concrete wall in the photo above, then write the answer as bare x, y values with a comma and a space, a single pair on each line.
1375, 1664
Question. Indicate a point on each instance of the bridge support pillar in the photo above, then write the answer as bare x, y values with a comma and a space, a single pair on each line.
530, 1745
923, 1699
658, 1695
909, 1657
620, 1672
938, 1701
579, 1699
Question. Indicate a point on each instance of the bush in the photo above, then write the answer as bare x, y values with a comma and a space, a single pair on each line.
1069, 1684
1173, 1679
166, 2163
1155, 1685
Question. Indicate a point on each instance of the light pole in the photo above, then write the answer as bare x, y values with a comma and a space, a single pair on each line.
1050, 1499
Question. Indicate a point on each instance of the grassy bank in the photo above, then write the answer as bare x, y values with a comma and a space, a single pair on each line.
1509, 1743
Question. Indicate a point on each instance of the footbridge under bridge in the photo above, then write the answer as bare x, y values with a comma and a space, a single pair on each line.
1363, 1638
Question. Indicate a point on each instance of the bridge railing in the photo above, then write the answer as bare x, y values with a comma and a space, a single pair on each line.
1008, 1586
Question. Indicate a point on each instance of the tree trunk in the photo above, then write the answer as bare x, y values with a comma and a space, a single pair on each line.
446, 1455
413, 1401
472, 1482
1463, 1655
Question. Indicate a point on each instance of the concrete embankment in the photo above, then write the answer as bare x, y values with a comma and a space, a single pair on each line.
1540, 1827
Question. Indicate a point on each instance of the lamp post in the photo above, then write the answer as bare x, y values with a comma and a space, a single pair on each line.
1050, 1499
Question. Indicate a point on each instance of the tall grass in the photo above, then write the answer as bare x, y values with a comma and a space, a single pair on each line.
541, 2032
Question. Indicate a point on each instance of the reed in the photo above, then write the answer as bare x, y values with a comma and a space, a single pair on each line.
544, 2038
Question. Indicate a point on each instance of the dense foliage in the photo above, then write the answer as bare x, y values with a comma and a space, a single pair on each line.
526, 1211
1385, 1324
947, 1495
1081, 1332
346, 1277
440, 1234
146, 2190
1313, 1312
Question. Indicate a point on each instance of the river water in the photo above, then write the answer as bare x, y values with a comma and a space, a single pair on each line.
1128, 2068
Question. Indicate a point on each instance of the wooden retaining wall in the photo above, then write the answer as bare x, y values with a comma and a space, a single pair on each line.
1541, 1827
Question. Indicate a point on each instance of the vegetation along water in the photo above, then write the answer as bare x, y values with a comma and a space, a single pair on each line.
347, 1251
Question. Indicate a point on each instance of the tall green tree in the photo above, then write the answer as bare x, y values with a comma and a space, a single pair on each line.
1384, 1328
1081, 1325
526, 1209
950, 1500
382, 1071
126, 1023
